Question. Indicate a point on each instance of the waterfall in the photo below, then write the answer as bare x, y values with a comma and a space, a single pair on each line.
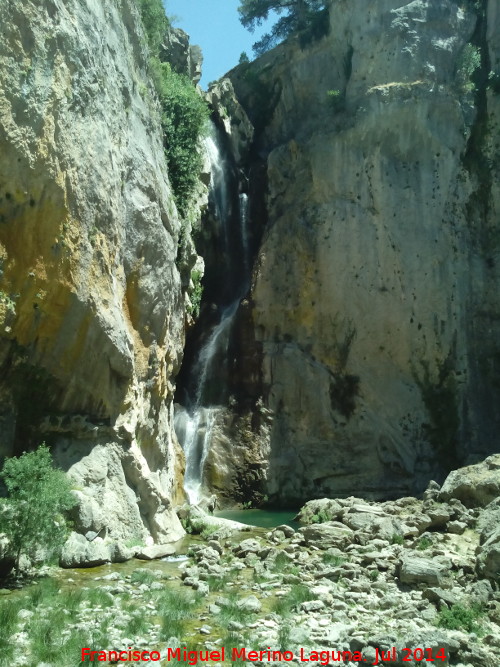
194, 432
219, 190
244, 210
194, 422
194, 426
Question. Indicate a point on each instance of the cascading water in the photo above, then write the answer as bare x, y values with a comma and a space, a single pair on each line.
244, 210
194, 422
218, 185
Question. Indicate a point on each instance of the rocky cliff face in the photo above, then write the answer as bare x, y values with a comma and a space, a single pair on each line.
91, 308
373, 319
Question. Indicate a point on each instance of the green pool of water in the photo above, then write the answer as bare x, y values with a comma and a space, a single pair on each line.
261, 518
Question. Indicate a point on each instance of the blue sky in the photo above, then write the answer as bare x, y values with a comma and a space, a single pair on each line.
215, 26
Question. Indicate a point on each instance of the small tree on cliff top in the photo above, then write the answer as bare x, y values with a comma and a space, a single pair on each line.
31, 516
306, 17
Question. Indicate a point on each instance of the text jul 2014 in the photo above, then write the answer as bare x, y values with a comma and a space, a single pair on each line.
323, 657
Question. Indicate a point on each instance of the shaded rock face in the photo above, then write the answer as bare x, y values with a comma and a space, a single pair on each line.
91, 309
374, 297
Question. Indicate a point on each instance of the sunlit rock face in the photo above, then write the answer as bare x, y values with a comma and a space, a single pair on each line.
91, 310
375, 291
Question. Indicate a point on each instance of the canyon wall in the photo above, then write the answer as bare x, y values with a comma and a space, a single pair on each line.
91, 306
369, 356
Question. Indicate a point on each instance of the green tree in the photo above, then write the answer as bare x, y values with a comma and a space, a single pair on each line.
31, 515
306, 17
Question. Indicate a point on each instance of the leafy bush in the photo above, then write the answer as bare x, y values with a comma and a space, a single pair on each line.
424, 543
184, 113
31, 516
461, 618
155, 23
469, 62
196, 293
321, 517
184, 120
335, 100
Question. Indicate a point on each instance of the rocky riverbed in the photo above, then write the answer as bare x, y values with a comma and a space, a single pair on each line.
358, 581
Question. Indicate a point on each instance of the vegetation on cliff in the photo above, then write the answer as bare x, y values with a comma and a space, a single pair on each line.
307, 18
184, 113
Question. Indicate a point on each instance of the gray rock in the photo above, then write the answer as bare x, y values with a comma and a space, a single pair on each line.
79, 552
185, 58
250, 546
213, 544
456, 527
234, 625
327, 535
250, 604
488, 556
415, 571
288, 531
120, 553
438, 595
489, 519
155, 551
312, 605
438, 513
102, 194
476, 485
432, 491
480, 592
325, 508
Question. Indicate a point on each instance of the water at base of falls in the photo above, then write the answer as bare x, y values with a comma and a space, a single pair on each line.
194, 426
194, 432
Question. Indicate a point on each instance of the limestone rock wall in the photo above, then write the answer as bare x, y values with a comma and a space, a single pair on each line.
91, 307
375, 291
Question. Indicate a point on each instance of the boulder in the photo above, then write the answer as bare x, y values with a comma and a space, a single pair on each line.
79, 552
476, 485
247, 547
373, 522
120, 553
438, 513
438, 595
155, 551
488, 556
250, 604
489, 519
327, 535
199, 521
456, 527
287, 530
317, 511
414, 571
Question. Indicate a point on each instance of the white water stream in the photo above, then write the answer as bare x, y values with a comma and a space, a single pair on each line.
194, 425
